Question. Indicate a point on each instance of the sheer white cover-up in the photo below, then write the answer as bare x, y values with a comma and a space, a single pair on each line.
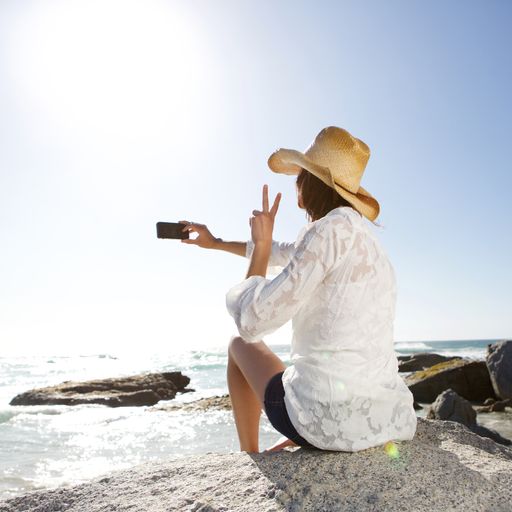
335, 282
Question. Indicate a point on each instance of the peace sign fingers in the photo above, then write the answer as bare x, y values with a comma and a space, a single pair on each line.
275, 206
265, 198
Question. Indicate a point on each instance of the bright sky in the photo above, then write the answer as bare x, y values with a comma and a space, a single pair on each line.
117, 114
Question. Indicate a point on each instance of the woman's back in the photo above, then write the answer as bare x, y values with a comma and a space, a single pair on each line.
343, 390
352, 312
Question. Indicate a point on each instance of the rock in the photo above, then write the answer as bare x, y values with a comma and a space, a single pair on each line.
452, 407
136, 390
490, 433
499, 363
408, 475
222, 402
420, 361
494, 406
467, 377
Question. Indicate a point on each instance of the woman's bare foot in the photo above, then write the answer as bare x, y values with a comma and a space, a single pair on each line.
283, 442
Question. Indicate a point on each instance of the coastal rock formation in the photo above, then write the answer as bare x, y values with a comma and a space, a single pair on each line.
420, 361
136, 390
491, 405
450, 406
412, 475
222, 402
499, 363
469, 378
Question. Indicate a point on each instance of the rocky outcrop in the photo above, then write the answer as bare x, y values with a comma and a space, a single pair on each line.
136, 390
499, 363
420, 361
450, 406
491, 405
445, 467
467, 377
216, 402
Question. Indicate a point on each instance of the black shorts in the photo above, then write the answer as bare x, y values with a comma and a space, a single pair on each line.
277, 414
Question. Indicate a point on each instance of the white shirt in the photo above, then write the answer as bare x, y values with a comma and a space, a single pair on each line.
343, 390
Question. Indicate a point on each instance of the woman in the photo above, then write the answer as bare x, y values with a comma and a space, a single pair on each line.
342, 391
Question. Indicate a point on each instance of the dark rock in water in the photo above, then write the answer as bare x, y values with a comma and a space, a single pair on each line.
467, 377
420, 361
216, 402
491, 405
452, 407
136, 390
499, 363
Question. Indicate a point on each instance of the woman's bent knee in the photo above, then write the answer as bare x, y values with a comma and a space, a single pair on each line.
235, 340
232, 341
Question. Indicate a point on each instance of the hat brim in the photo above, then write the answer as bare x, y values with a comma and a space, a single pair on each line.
291, 162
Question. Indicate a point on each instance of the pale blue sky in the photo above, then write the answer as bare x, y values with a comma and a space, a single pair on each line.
117, 114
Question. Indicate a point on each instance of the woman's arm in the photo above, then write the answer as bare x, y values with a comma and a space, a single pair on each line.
259, 260
239, 248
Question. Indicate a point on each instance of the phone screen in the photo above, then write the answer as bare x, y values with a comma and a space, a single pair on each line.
171, 230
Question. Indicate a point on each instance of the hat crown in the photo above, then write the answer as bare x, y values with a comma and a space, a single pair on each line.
343, 155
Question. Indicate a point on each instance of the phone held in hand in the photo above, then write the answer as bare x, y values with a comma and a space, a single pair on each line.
171, 230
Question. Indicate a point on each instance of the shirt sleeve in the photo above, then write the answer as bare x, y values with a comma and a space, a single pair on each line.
260, 306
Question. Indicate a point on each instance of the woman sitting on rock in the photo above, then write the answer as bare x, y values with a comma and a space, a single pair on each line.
342, 390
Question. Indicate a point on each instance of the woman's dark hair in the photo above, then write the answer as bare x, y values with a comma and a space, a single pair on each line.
317, 197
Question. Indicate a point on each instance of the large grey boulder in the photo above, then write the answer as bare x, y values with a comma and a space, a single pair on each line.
469, 378
421, 360
499, 363
129, 391
450, 406
445, 467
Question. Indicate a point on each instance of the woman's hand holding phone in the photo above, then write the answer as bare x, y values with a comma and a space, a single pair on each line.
204, 239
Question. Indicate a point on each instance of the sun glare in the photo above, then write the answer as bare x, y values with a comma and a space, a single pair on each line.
117, 67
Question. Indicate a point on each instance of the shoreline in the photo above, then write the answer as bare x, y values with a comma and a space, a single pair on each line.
66, 444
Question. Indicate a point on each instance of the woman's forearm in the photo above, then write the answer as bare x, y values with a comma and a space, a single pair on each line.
239, 248
259, 260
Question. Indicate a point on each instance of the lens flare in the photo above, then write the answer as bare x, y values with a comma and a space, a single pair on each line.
339, 384
391, 449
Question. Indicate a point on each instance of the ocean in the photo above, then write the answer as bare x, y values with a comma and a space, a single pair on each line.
43, 447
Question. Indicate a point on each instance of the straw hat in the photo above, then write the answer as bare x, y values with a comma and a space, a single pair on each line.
339, 160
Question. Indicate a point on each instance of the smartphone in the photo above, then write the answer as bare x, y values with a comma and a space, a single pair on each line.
171, 230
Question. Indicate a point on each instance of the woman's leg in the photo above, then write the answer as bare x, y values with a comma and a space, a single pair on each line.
250, 367
246, 408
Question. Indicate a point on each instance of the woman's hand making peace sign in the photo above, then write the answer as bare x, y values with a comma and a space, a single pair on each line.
262, 222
